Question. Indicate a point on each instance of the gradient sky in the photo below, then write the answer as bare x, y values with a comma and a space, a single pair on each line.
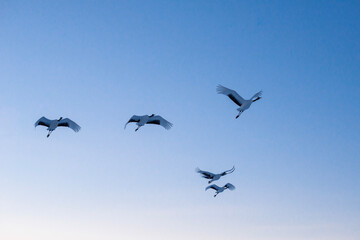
296, 151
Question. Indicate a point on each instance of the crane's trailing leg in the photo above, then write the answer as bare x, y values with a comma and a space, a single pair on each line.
137, 128
49, 133
239, 114
215, 194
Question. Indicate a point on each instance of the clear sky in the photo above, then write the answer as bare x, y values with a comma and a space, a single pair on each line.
296, 151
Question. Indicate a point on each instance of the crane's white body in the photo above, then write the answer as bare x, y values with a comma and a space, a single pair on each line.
53, 124
152, 119
220, 189
237, 99
213, 176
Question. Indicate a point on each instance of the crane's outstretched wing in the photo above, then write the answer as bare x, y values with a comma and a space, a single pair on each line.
229, 186
66, 122
214, 186
228, 171
234, 96
257, 96
43, 121
134, 118
160, 121
205, 174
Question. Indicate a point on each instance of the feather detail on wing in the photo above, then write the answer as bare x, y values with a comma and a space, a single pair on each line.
43, 121
214, 186
205, 174
66, 122
257, 96
134, 118
233, 95
160, 121
228, 171
229, 186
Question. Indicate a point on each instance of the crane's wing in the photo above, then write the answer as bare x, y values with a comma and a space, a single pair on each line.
257, 96
160, 121
134, 118
66, 122
43, 121
228, 171
234, 96
214, 186
229, 186
205, 174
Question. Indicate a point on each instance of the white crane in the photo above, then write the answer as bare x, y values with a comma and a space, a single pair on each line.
53, 124
221, 189
152, 119
213, 176
236, 98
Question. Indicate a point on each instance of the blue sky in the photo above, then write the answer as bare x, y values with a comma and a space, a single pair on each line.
296, 151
